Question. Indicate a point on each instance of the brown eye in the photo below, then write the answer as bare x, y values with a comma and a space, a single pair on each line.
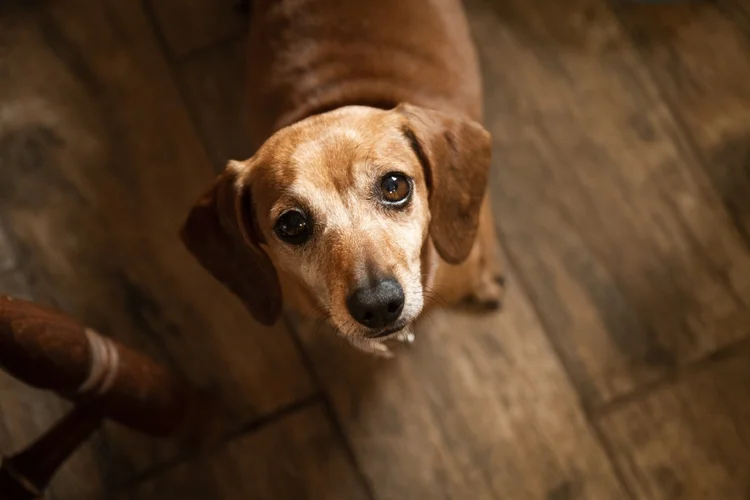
293, 227
395, 189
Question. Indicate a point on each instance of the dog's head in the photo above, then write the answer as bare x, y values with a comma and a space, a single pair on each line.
344, 203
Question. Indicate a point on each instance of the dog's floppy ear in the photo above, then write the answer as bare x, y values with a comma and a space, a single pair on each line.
221, 233
455, 154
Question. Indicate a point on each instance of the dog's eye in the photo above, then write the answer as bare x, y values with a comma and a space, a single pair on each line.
293, 227
395, 189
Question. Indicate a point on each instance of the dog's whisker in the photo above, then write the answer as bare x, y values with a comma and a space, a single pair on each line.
321, 309
325, 316
431, 299
424, 275
430, 292
436, 302
320, 323
442, 287
346, 328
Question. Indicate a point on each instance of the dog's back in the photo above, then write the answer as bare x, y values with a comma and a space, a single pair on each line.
311, 56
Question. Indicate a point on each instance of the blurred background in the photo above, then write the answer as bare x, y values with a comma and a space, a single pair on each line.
618, 369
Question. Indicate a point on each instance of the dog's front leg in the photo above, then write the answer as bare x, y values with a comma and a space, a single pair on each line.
488, 289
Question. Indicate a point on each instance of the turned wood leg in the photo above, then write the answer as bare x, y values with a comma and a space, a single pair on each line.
49, 350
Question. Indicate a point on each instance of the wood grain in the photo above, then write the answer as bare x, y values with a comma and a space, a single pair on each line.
189, 25
7, 254
100, 164
214, 83
688, 440
299, 457
625, 248
479, 408
699, 56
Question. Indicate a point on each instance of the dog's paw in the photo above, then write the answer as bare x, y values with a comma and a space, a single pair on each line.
489, 292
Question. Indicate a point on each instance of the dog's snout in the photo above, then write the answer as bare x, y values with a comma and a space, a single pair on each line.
378, 305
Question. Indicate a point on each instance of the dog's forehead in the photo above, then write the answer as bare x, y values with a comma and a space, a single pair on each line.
331, 159
332, 151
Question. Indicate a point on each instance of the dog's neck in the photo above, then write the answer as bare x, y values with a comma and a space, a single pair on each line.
301, 61
324, 107
334, 100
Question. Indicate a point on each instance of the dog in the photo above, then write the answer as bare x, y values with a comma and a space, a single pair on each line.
365, 202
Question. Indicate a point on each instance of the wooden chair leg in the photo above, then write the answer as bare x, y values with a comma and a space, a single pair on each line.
48, 350
27, 474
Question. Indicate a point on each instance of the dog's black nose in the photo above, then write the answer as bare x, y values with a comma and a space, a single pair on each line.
378, 305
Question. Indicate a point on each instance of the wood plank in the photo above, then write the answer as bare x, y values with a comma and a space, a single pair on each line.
689, 440
100, 164
297, 457
189, 25
739, 12
478, 408
624, 246
7, 253
214, 83
700, 55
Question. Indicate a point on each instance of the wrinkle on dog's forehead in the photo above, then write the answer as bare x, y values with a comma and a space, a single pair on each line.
329, 159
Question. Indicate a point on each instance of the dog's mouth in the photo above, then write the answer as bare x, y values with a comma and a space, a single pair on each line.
388, 331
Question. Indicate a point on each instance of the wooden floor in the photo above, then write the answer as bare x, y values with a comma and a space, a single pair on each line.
620, 367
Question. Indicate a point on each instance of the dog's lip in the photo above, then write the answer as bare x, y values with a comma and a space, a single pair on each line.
387, 331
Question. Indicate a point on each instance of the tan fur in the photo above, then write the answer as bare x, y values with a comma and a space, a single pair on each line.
402, 95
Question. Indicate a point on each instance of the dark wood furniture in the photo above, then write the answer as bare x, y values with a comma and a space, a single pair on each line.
48, 350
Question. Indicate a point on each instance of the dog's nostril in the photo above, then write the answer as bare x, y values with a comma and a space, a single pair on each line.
377, 306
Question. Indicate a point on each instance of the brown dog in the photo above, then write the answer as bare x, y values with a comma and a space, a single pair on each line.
367, 193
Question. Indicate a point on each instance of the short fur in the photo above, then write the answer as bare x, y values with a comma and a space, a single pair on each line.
343, 93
